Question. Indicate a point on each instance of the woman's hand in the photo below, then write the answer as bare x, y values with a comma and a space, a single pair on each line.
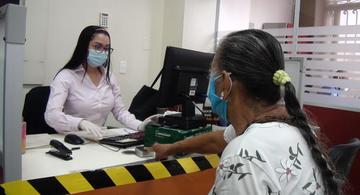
90, 127
152, 118
162, 151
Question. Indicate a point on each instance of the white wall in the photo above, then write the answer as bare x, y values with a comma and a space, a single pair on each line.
234, 15
173, 23
199, 25
135, 27
189, 24
156, 40
172, 31
36, 41
237, 15
274, 11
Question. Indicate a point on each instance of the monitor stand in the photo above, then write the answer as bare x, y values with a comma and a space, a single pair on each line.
187, 119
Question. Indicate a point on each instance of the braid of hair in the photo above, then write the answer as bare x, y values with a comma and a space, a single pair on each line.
298, 119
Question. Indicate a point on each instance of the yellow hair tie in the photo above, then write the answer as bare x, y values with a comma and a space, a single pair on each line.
281, 77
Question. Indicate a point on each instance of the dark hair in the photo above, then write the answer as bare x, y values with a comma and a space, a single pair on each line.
81, 50
253, 56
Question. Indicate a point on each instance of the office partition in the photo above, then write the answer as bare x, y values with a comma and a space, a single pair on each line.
12, 20
331, 63
2, 65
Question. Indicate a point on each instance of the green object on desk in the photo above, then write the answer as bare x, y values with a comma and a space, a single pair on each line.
167, 135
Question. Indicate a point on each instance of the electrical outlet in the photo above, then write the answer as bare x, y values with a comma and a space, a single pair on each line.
123, 66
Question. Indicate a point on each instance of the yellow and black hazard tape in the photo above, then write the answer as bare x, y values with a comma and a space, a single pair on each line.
114, 176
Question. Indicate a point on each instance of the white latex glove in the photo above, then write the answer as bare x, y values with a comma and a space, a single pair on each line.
152, 118
90, 127
169, 112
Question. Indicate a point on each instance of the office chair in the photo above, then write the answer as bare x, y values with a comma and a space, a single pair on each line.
343, 156
34, 108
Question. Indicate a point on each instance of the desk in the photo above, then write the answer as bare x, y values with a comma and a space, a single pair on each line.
90, 156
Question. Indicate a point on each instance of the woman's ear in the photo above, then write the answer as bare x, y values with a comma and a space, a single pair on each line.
227, 85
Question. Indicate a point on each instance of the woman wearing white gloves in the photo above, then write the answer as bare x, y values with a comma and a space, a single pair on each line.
84, 91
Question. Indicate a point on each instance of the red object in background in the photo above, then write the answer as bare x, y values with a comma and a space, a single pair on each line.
340, 126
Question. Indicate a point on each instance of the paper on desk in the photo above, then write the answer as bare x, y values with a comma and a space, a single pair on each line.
37, 140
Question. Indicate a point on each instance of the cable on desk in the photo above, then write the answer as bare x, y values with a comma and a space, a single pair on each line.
109, 148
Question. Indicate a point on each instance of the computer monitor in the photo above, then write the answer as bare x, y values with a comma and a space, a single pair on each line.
184, 81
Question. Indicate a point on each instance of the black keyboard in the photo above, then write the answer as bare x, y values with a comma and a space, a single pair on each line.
122, 142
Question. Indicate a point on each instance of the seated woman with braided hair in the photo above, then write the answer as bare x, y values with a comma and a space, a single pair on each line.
274, 150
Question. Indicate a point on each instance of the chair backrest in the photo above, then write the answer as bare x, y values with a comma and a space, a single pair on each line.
34, 108
343, 155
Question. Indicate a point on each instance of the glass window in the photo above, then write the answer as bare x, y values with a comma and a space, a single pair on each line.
329, 13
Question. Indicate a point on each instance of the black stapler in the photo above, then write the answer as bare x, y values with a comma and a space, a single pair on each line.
61, 150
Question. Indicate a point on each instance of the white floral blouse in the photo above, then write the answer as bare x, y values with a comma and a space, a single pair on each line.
268, 158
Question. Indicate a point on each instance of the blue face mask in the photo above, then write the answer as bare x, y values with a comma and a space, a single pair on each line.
96, 59
218, 105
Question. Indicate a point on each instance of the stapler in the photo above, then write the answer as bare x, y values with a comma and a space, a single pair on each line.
61, 151
60, 147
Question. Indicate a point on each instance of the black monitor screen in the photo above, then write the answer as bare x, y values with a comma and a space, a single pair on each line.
3, 2
185, 75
